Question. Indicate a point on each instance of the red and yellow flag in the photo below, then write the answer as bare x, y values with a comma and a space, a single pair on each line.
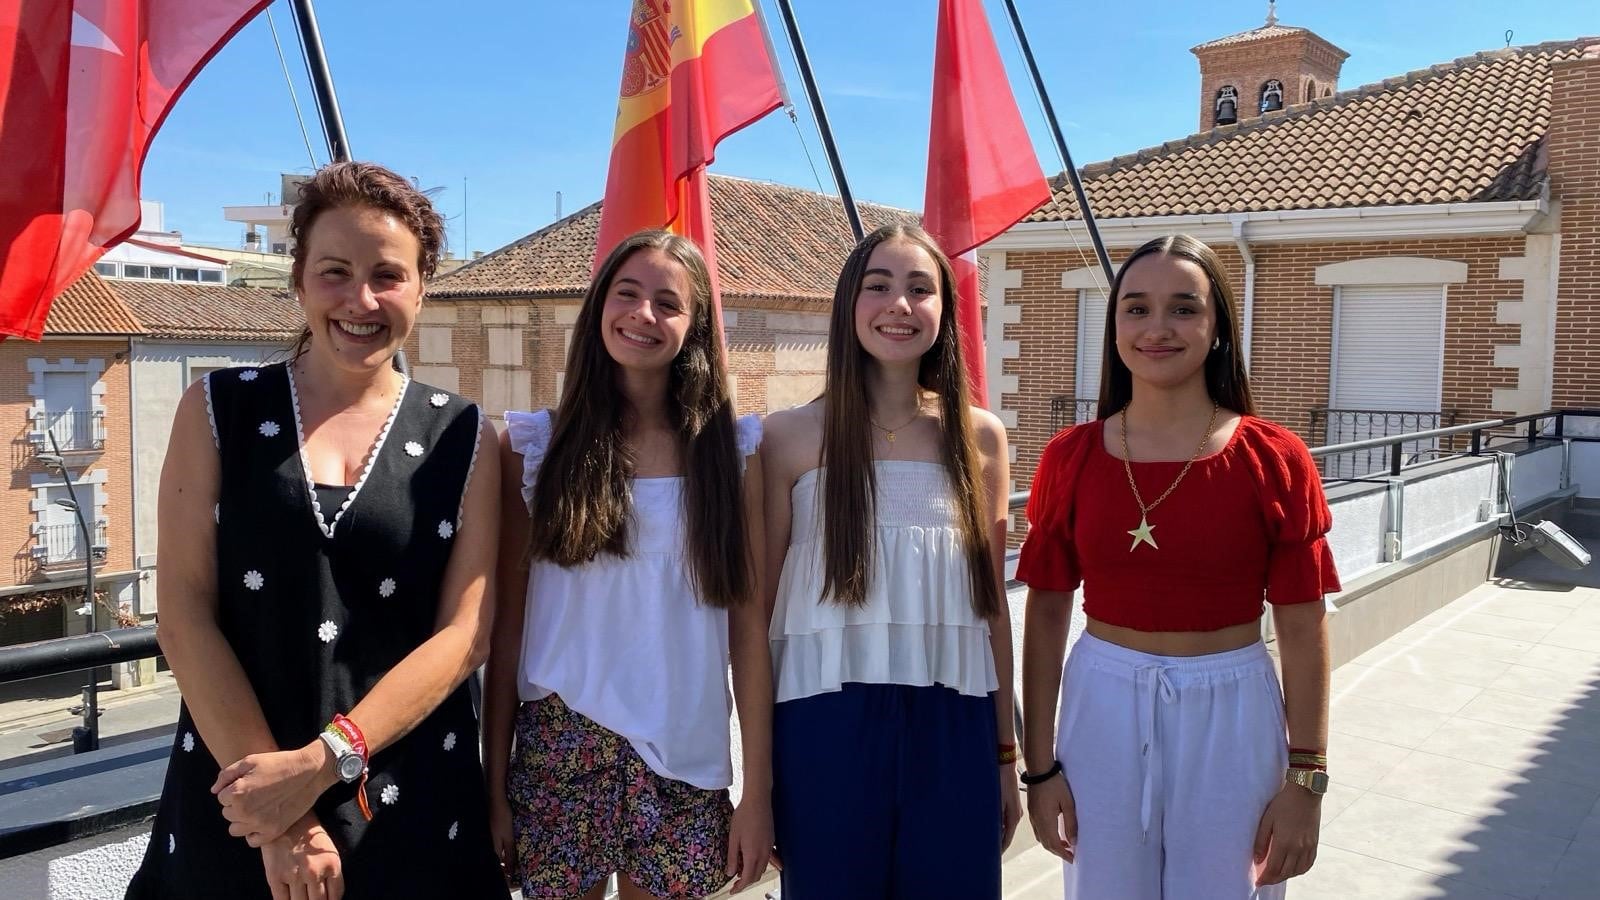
695, 72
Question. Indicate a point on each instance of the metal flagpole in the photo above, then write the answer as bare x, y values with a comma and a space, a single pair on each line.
1061, 145
321, 81
804, 64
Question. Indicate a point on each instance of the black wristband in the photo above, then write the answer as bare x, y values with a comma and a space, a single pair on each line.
1030, 779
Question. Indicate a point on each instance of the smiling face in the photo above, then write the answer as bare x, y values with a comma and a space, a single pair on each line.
647, 311
1165, 320
360, 286
899, 307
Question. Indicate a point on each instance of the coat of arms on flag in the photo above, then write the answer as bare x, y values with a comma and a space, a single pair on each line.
649, 56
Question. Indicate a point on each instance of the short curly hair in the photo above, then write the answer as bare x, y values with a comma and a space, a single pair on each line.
374, 187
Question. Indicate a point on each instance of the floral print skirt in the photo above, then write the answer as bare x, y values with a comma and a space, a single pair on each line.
584, 804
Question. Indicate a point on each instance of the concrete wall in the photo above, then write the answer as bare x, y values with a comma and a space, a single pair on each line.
96, 868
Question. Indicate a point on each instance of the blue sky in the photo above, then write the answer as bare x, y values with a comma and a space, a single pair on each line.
518, 96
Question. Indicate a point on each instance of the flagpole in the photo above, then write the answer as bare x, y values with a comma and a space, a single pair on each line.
321, 81
821, 115
1061, 145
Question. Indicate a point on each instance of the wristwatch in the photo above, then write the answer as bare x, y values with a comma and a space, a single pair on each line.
1313, 780
346, 761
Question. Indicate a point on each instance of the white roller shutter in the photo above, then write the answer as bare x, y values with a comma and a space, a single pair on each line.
1388, 355
1388, 347
1091, 341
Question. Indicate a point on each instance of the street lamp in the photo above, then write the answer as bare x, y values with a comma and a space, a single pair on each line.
85, 737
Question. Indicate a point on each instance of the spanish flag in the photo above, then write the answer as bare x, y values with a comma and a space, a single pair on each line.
695, 72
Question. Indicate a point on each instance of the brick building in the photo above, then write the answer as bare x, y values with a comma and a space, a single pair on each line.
74, 386
1427, 247
497, 329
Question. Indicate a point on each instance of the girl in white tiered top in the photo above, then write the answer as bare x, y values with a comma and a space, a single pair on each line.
627, 581
893, 753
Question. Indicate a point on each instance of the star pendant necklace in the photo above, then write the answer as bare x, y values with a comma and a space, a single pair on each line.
1144, 534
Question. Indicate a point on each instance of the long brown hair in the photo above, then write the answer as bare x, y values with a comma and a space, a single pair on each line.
1226, 379
582, 500
849, 479
369, 185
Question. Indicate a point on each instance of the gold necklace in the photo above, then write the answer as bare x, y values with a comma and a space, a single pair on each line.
889, 433
1144, 533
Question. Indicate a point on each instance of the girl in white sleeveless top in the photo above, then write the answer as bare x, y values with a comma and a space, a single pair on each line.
894, 753
626, 580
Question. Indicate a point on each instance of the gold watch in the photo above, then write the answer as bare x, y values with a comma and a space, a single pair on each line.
1313, 780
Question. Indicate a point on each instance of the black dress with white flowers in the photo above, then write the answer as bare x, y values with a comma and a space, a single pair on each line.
319, 598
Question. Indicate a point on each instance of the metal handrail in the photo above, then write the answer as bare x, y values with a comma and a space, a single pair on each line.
53, 657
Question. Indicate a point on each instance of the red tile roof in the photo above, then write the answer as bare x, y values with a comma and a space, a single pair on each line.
1469, 130
88, 306
773, 241
183, 311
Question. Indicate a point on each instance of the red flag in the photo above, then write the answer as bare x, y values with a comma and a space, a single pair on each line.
983, 176
84, 85
695, 72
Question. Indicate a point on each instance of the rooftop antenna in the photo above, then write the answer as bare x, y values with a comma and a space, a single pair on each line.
1509, 32
1272, 13
558, 204
466, 245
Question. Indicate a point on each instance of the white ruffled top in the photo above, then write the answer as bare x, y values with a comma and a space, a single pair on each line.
917, 626
625, 641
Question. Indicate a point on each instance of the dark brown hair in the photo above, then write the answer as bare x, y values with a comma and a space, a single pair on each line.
1226, 379
582, 500
850, 480
369, 185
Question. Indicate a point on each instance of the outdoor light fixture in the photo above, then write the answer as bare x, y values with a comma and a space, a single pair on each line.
1546, 537
51, 461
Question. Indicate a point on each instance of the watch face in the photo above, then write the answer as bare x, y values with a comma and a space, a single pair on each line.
350, 767
1319, 782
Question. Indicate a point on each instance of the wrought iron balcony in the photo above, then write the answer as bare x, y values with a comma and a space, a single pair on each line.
1343, 426
74, 431
59, 548
1067, 411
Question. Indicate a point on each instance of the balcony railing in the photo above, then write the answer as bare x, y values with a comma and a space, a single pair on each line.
73, 430
61, 546
1344, 426
1068, 411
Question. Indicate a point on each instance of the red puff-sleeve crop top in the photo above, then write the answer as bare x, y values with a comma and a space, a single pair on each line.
1247, 524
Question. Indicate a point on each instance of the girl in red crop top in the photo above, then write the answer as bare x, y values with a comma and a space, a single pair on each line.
1179, 767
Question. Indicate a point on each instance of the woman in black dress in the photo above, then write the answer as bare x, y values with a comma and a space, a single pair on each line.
328, 530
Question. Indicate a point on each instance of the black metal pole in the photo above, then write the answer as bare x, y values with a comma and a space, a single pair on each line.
1061, 144
804, 64
85, 737
321, 81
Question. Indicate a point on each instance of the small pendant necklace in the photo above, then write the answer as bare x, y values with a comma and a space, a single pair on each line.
889, 433
1144, 534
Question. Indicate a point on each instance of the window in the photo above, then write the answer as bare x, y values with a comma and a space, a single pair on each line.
1227, 105
161, 273
185, 274
134, 270
210, 276
1310, 93
1388, 360
1091, 347
1272, 96
105, 268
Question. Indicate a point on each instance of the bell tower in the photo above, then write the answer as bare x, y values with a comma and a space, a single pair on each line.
1264, 69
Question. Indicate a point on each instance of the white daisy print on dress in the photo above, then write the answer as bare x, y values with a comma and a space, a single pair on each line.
248, 375
390, 795
413, 448
253, 580
386, 588
450, 741
454, 827
446, 529
188, 742
439, 399
327, 631
268, 428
